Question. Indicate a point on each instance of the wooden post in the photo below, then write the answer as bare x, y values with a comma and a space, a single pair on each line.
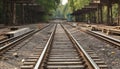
26, 12
98, 15
111, 14
23, 14
13, 4
108, 14
86, 17
4, 11
90, 17
118, 13
29, 13
7, 11
94, 16
101, 14
30, 16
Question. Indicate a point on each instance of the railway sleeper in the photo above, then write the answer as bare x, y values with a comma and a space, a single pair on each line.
29, 63
27, 67
63, 57
96, 59
31, 60
66, 66
64, 63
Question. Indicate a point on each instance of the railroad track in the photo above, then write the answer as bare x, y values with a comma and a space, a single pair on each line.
106, 38
3, 38
12, 42
9, 40
62, 51
115, 42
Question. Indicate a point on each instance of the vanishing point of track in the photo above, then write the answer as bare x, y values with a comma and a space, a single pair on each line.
62, 51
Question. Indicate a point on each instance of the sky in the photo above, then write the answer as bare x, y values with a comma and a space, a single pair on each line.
64, 2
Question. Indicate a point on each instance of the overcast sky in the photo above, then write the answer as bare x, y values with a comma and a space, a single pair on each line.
64, 2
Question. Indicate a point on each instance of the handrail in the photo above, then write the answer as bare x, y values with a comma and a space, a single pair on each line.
94, 65
39, 62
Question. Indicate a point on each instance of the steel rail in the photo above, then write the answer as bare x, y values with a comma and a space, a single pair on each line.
40, 59
4, 41
104, 37
7, 46
93, 64
13, 38
1, 48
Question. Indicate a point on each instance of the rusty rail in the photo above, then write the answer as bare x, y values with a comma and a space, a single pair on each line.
87, 57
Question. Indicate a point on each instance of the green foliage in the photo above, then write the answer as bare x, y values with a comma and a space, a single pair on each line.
49, 5
77, 4
115, 10
72, 5
59, 11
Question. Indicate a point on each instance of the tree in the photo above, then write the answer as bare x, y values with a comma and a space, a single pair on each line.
48, 5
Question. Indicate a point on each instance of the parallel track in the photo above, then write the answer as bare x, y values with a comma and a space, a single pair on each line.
106, 38
8, 40
62, 51
12, 42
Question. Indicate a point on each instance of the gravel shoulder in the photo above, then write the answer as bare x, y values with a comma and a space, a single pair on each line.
24, 50
105, 51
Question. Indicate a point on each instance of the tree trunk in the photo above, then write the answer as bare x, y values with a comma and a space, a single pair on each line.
98, 12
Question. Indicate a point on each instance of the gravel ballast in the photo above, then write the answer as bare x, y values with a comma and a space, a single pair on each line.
105, 51
15, 57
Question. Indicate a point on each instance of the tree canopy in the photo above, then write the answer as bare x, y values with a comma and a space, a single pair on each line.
77, 4
71, 6
74, 5
48, 5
